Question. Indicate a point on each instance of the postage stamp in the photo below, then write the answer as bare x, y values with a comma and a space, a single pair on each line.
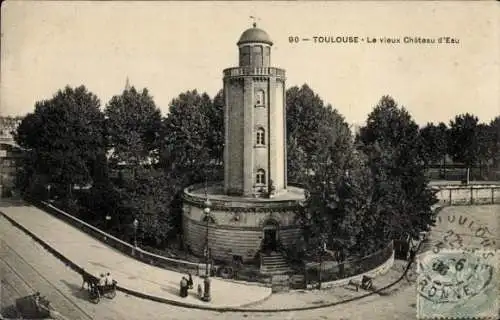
458, 284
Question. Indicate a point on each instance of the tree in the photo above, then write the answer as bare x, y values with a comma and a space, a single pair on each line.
193, 136
214, 114
494, 128
312, 128
133, 124
65, 138
463, 139
401, 200
485, 137
148, 197
337, 210
433, 143
321, 155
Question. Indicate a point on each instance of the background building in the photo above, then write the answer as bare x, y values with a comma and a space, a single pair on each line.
10, 155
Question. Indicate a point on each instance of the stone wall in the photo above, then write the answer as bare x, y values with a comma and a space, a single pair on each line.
380, 270
233, 218
466, 195
235, 233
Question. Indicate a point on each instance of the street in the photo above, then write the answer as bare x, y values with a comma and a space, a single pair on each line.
37, 269
27, 267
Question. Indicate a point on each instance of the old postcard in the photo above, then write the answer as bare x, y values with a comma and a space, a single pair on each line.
250, 160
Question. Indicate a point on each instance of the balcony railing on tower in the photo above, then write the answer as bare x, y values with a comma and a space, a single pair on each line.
251, 71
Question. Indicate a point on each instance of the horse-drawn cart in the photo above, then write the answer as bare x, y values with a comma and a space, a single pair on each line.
96, 291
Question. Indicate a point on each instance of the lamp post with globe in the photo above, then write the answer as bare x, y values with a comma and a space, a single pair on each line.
48, 191
108, 218
206, 293
135, 224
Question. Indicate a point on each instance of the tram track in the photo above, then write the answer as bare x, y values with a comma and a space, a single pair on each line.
8, 287
67, 303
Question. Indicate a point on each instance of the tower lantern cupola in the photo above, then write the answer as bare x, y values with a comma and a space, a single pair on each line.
255, 48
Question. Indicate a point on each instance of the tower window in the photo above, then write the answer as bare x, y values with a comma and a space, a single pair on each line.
260, 178
259, 98
261, 137
245, 56
257, 56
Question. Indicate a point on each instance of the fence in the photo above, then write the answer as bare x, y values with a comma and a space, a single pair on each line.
466, 195
122, 246
332, 271
460, 173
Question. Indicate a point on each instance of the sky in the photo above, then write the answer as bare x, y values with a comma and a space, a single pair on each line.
171, 47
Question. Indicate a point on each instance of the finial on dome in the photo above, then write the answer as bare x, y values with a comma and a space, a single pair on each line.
254, 21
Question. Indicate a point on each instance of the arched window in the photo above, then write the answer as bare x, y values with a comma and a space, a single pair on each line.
259, 98
260, 178
261, 137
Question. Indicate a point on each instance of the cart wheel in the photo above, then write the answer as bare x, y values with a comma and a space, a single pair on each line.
95, 299
112, 294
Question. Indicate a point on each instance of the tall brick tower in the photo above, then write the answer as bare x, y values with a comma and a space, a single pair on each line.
252, 213
255, 127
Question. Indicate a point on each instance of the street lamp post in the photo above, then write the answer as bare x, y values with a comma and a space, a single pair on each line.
48, 191
206, 292
108, 218
136, 224
321, 251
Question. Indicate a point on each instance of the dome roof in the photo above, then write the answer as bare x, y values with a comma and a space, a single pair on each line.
255, 35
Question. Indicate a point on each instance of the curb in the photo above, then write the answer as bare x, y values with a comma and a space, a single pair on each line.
79, 270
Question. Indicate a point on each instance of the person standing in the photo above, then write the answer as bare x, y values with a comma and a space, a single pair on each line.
109, 279
190, 281
102, 283
184, 286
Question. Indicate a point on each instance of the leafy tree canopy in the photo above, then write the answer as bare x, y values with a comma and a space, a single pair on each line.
65, 136
133, 123
193, 134
433, 142
313, 131
464, 143
401, 198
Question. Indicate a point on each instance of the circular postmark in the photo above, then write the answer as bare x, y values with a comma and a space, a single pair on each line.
454, 275
460, 232
457, 268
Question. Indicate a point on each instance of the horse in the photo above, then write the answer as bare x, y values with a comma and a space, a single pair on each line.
88, 279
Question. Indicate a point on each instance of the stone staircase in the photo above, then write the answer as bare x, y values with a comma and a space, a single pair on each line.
274, 263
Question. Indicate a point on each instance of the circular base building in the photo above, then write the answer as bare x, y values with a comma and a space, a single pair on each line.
239, 227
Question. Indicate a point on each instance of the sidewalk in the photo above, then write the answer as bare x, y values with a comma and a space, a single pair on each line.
134, 276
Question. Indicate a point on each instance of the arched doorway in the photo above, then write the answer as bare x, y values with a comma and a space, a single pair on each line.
270, 237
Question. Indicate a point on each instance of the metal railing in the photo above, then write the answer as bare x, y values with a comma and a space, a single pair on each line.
120, 245
251, 71
331, 271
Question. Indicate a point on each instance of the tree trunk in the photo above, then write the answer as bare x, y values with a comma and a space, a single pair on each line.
444, 166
